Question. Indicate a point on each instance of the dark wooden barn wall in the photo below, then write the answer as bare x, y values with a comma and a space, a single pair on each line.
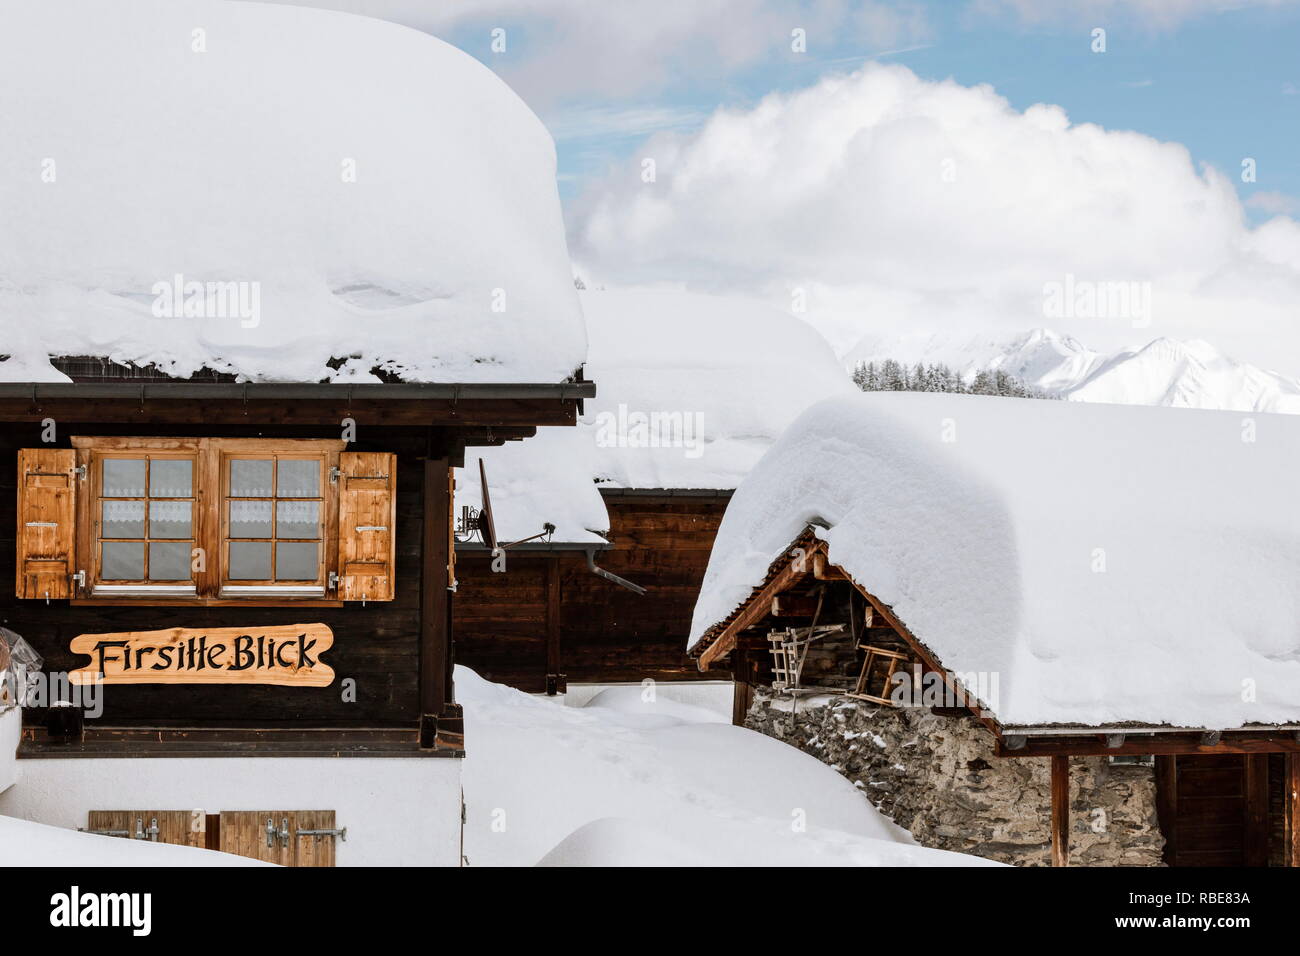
607, 633
1221, 809
376, 645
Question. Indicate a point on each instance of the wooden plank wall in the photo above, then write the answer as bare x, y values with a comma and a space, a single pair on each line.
1218, 809
376, 645
607, 633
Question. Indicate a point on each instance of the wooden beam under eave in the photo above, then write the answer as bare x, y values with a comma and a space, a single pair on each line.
1256, 786
823, 570
757, 608
1060, 811
881, 610
1094, 745
1291, 809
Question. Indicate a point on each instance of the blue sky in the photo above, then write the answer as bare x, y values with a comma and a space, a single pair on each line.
1224, 83
833, 190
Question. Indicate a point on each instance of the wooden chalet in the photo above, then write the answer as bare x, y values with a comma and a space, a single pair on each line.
643, 509
230, 535
809, 626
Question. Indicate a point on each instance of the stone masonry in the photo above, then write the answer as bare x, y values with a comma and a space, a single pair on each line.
938, 777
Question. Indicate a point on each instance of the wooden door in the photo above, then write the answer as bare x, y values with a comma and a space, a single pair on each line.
246, 833
1214, 809
180, 827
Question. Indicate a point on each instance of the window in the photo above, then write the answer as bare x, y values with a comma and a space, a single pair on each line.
206, 520
145, 523
272, 523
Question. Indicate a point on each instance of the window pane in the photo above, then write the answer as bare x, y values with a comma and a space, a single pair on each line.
169, 561
122, 519
295, 561
123, 561
171, 478
123, 478
250, 519
297, 479
170, 519
297, 519
250, 478
250, 561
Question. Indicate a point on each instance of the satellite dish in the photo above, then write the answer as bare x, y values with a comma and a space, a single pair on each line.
486, 528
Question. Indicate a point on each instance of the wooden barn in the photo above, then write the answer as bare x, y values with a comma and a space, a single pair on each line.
230, 534
1011, 658
693, 390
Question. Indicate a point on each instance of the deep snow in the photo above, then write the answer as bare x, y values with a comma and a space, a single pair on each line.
23, 843
626, 781
1107, 563
390, 199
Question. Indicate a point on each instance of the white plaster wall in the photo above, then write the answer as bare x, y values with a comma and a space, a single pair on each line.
11, 729
399, 811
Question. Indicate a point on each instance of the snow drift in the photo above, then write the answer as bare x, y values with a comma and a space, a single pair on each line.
382, 198
23, 843
1110, 564
631, 781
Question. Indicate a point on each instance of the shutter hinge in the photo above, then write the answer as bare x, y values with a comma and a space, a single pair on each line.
80, 471
282, 834
334, 581
335, 474
79, 579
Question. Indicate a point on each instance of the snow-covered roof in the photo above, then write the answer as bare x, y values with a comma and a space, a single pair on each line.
738, 369
722, 377
373, 194
1109, 564
546, 478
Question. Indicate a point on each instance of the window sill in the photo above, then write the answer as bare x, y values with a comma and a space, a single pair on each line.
196, 601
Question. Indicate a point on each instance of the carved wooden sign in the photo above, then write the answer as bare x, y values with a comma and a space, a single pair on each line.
287, 654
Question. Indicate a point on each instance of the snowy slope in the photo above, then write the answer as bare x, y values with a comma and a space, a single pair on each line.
23, 843
626, 782
386, 195
1107, 563
1162, 372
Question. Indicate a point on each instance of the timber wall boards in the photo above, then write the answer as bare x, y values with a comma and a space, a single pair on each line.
606, 634
1222, 809
376, 645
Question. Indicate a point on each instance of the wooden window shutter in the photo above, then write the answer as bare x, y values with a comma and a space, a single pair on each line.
367, 519
47, 508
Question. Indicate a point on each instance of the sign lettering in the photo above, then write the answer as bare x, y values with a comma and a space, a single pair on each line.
286, 654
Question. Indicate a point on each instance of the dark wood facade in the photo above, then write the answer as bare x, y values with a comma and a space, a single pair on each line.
397, 655
548, 618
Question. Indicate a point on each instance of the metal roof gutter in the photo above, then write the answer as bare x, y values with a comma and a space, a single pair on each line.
297, 391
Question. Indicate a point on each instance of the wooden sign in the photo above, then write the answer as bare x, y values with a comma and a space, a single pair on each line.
287, 654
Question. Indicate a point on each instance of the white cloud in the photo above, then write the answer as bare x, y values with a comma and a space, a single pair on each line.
895, 201
619, 48
1274, 203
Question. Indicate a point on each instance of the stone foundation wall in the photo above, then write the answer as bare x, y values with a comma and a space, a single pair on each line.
938, 777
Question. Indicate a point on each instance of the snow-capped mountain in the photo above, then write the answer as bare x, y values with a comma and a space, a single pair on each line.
1190, 374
